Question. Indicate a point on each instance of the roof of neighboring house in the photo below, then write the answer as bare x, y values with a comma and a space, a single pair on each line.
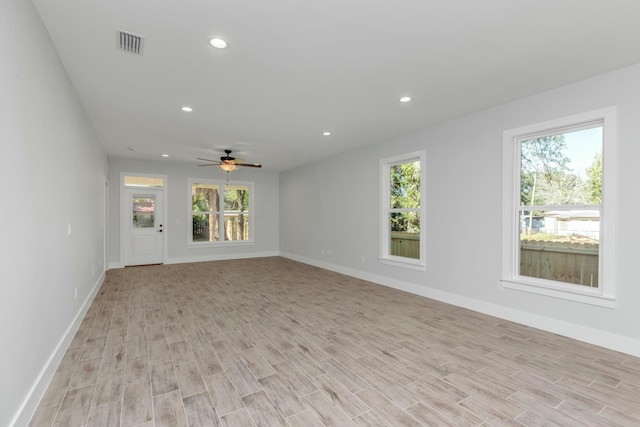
571, 214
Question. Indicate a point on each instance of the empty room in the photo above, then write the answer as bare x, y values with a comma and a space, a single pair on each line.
340, 213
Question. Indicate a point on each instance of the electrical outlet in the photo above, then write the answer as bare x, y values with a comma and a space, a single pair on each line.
68, 229
329, 252
75, 293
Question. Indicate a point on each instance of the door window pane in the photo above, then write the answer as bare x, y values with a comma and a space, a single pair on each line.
143, 215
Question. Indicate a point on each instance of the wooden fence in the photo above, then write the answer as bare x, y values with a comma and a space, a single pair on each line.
405, 244
570, 263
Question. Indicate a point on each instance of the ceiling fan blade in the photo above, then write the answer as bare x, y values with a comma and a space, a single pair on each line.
228, 160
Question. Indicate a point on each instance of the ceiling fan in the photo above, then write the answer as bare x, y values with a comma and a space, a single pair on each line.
228, 163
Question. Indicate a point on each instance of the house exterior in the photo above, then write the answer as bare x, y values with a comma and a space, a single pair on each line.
575, 222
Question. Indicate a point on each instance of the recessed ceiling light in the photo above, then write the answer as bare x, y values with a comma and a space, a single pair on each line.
326, 133
405, 99
165, 155
217, 42
187, 109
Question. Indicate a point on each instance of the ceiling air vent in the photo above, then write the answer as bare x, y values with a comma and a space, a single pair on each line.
129, 42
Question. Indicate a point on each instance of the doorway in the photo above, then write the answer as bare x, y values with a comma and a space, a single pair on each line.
142, 225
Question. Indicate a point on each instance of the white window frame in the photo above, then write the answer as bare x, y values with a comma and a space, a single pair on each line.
220, 214
385, 198
604, 295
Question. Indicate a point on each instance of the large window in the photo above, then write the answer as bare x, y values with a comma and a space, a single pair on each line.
220, 212
402, 210
555, 206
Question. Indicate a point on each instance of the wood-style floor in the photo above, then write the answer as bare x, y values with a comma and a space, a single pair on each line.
272, 342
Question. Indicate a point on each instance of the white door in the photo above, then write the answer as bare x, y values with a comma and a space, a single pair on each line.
143, 224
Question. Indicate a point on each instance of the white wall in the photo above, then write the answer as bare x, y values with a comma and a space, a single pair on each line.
178, 200
52, 174
333, 205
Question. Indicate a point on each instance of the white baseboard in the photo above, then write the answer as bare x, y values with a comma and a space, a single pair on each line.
205, 258
223, 257
30, 404
582, 333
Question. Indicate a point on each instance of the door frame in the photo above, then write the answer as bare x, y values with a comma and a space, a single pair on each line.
124, 212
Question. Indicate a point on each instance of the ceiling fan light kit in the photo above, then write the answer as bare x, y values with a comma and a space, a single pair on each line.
228, 167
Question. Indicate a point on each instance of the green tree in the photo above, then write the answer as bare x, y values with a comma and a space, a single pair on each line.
405, 193
200, 203
541, 159
563, 189
204, 224
237, 199
594, 179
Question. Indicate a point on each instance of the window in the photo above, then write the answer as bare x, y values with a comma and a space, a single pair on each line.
143, 181
402, 211
144, 208
220, 212
556, 192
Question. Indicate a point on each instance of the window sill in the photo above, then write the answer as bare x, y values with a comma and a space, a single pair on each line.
587, 296
403, 263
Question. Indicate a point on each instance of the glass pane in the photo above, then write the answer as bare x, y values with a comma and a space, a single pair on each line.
236, 226
204, 198
236, 215
143, 181
405, 185
405, 234
561, 245
562, 169
205, 228
143, 212
236, 198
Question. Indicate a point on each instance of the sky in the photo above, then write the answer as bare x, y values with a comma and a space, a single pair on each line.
582, 146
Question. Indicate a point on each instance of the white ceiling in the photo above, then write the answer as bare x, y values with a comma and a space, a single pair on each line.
296, 68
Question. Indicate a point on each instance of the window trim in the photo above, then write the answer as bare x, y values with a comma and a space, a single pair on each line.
385, 200
222, 184
604, 295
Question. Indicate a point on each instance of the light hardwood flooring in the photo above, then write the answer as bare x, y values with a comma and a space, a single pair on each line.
272, 342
